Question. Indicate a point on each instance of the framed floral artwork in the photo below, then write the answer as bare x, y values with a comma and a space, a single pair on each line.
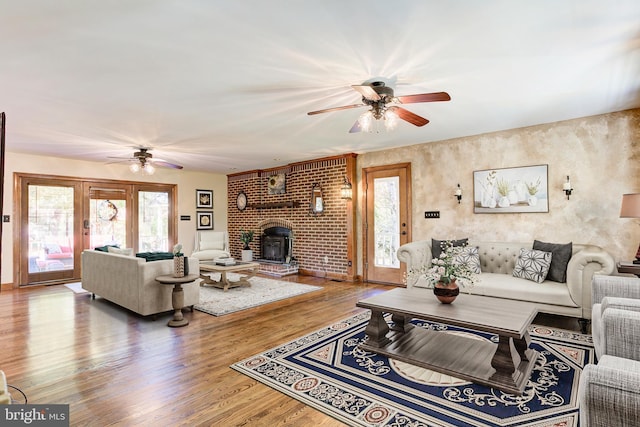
204, 199
205, 220
276, 184
511, 190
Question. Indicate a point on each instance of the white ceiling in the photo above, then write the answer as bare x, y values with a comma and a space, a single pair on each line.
224, 86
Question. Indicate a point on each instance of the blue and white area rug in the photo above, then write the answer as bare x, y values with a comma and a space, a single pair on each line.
327, 370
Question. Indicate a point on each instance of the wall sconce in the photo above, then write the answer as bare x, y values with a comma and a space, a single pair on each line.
566, 187
346, 190
458, 193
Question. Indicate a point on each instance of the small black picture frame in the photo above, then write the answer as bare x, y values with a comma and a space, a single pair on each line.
204, 199
205, 221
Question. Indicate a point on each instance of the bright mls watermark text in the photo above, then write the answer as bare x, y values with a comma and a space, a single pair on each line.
34, 415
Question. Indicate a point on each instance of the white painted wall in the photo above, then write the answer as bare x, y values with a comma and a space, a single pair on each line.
187, 183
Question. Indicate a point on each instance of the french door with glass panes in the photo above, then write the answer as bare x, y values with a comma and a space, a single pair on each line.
59, 218
50, 227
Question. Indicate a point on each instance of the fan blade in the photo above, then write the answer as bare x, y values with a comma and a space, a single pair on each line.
160, 162
410, 117
356, 127
346, 107
424, 97
367, 91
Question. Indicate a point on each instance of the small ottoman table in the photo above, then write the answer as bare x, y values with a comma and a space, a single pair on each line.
177, 296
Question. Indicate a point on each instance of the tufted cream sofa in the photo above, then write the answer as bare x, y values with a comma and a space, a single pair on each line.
131, 282
497, 261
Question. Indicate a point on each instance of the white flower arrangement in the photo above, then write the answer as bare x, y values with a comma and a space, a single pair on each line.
491, 181
177, 250
446, 268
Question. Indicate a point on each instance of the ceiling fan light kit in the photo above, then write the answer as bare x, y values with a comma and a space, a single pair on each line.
376, 96
145, 168
142, 161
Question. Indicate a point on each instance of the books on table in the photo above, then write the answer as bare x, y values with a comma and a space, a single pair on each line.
225, 261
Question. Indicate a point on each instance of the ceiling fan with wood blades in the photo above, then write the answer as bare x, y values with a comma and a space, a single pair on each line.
377, 96
142, 160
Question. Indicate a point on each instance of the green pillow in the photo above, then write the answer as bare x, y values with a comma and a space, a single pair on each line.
560, 256
436, 248
105, 248
155, 256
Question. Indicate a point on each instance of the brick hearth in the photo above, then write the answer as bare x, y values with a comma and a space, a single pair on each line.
276, 269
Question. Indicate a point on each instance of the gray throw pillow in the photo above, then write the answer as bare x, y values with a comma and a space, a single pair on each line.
532, 265
560, 256
436, 248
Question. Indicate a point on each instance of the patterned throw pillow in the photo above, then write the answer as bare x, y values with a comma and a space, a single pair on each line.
532, 265
470, 257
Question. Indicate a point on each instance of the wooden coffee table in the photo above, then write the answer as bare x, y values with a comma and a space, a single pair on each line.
224, 283
506, 365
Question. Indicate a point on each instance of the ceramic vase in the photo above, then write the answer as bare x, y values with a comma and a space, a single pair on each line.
487, 199
513, 197
247, 255
178, 266
446, 292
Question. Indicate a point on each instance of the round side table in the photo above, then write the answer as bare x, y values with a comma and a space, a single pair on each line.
177, 296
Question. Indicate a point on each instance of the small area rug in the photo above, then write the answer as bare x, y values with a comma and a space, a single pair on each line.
76, 287
262, 291
327, 371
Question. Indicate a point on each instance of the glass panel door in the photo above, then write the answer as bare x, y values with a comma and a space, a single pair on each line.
153, 221
108, 219
51, 252
50, 228
387, 221
61, 217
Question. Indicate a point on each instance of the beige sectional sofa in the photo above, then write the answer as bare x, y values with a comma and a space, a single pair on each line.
130, 281
497, 262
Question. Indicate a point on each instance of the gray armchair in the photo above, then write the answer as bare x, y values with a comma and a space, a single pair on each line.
615, 316
609, 393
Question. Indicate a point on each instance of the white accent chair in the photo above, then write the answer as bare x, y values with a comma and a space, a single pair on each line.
210, 245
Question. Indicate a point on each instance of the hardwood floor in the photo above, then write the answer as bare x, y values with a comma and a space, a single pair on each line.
114, 367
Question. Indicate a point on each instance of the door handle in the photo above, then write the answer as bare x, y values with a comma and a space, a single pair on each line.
404, 232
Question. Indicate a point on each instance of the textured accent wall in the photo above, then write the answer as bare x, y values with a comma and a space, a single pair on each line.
314, 236
600, 153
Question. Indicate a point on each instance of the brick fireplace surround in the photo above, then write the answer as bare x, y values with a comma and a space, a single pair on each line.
323, 245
